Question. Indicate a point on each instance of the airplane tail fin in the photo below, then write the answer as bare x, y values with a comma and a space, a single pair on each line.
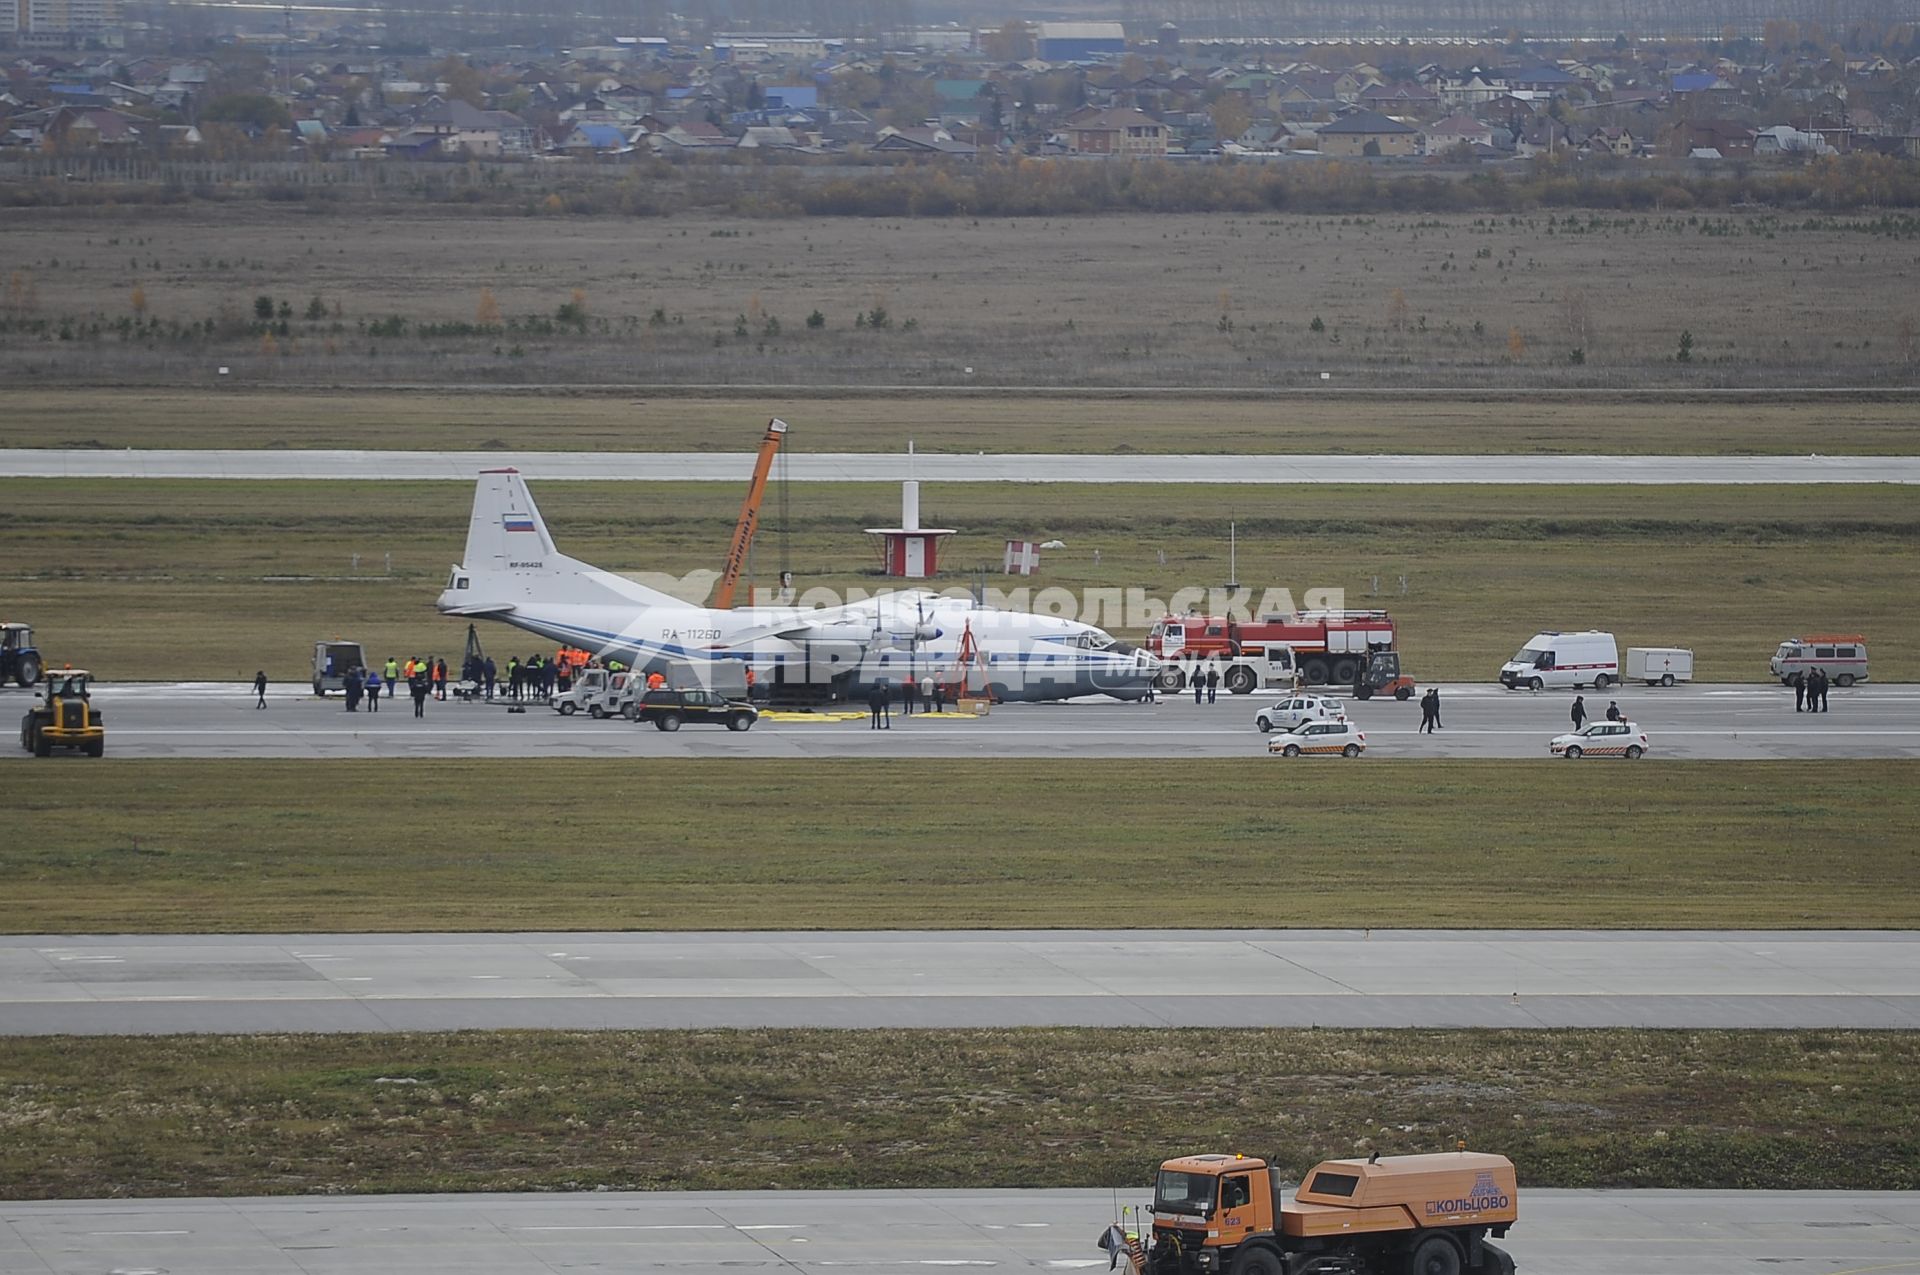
507, 538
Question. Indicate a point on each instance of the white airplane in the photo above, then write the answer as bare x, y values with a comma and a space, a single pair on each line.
513, 573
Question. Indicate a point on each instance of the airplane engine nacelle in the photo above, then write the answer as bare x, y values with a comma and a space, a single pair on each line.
905, 639
859, 636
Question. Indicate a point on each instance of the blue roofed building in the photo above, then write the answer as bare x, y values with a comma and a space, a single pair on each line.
792, 97
1079, 41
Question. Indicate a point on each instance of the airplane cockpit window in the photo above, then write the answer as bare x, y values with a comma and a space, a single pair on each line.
1095, 640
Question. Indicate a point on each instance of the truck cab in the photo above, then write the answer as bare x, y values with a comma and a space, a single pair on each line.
1401, 1215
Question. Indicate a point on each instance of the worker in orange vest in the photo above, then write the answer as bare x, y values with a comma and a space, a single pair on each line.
656, 681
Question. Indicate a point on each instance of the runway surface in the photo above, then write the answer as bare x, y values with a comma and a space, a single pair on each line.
1559, 1233
1483, 720
903, 979
942, 467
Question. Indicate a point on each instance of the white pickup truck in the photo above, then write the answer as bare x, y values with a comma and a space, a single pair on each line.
598, 693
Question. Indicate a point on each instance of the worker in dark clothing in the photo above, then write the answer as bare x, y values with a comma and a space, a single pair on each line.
418, 686
1437, 723
1613, 711
1799, 694
260, 689
906, 698
1820, 686
1429, 711
876, 700
1579, 711
488, 672
353, 686
373, 690
1213, 683
939, 697
440, 679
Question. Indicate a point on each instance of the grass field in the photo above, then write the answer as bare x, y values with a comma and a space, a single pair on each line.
553, 419
208, 1116
276, 846
214, 579
1204, 300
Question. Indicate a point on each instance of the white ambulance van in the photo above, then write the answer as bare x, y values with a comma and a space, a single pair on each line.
1559, 660
1841, 656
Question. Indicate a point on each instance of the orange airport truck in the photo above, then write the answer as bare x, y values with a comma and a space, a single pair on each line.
1398, 1215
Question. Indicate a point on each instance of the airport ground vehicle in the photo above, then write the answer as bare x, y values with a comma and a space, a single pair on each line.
1382, 676
666, 710
1841, 656
1391, 1215
1320, 739
1297, 710
1602, 739
1555, 660
63, 716
19, 657
599, 693
331, 660
1329, 647
1659, 665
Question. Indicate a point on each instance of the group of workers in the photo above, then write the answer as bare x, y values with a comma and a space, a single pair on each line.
931, 693
422, 678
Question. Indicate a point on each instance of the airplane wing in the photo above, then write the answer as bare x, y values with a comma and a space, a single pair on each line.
482, 609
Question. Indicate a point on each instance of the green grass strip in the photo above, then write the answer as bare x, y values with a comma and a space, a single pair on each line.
655, 844
517, 1111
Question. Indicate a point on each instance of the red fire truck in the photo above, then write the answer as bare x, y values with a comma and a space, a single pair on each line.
1337, 648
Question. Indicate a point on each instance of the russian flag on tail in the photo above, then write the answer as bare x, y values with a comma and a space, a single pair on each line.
517, 522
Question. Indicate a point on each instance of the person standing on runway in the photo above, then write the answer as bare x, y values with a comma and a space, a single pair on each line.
260, 689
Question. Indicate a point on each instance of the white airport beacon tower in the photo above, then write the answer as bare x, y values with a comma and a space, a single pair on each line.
910, 551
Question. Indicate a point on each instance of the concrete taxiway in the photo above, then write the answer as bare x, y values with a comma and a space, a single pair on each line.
915, 979
1694, 722
1559, 1232
733, 467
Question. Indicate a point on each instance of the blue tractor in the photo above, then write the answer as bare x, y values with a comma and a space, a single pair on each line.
19, 658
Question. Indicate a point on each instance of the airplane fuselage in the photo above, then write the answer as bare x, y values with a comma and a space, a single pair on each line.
1021, 657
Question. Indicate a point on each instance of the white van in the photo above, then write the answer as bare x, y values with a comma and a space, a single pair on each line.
1659, 665
1841, 656
1564, 660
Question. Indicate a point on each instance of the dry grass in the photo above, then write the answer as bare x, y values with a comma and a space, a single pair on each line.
163, 846
163, 580
1202, 300
520, 1111
470, 418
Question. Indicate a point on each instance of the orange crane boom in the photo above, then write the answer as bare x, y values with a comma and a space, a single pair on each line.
749, 514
